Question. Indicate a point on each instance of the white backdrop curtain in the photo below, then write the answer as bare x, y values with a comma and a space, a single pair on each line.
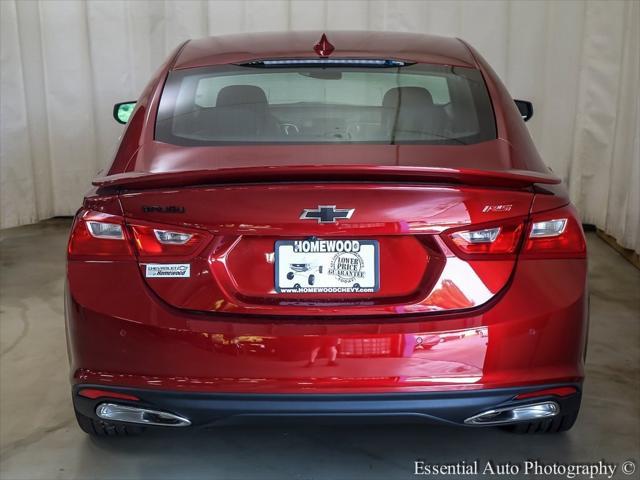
64, 64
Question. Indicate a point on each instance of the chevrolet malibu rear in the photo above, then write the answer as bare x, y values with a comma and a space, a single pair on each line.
345, 226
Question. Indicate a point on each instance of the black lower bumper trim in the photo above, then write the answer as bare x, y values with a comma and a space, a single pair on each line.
209, 409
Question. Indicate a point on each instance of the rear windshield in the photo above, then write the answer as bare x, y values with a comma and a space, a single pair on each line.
247, 105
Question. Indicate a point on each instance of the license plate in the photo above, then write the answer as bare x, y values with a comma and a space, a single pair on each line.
327, 266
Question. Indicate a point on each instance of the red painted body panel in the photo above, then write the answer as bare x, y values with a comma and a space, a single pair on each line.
125, 336
245, 47
235, 272
442, 321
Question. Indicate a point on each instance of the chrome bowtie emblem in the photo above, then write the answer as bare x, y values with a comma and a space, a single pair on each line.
326, 213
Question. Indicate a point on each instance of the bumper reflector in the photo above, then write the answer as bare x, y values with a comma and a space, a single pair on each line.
558, 392
94, 393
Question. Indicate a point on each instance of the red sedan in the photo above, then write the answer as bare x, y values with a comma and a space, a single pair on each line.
352, 225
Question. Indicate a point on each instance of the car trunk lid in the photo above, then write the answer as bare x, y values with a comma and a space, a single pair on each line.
412, 268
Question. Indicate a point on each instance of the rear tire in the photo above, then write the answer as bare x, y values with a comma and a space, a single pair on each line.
557, 424
99, 428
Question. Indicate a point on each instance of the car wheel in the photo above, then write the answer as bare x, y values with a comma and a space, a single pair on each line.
290, 276
99, 428
312, 279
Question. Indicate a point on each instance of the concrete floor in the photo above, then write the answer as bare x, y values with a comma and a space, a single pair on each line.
39, 437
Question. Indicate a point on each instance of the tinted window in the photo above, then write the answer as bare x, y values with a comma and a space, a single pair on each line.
394, 105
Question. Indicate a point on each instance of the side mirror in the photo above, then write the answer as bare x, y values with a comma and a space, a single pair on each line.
123, 110
526, 109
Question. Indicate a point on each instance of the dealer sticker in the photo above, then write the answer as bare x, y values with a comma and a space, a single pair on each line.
174, 270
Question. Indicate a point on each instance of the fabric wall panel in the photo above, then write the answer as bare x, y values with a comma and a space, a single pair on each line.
65, 63
17, 194
70, 100
623, 200
598, 82
555, 109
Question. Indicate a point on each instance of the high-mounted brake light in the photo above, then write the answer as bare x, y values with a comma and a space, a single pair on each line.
326, 62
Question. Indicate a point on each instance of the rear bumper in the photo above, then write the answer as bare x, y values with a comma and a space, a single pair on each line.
120, 334
207, 410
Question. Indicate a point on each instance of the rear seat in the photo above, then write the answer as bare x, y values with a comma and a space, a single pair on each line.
241, 112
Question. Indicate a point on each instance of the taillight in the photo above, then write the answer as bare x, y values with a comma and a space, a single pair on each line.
105, 230
98, 234
556, 233
552, 234
153, 241
548, 228
487, 242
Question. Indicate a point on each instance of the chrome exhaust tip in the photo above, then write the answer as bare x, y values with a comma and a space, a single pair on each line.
144, 416
515, 414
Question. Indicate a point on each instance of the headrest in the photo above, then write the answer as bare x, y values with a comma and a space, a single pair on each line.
408, 97
240, 95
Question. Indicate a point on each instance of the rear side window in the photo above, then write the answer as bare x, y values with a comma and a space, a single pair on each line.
230, 105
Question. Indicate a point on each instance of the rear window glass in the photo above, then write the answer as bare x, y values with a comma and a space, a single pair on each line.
229, 105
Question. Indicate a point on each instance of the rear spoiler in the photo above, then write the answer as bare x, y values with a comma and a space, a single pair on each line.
359, 173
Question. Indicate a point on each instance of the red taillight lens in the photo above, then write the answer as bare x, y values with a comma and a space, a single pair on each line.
556, 233
96, 234
154, 241
552, 234
489, 241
